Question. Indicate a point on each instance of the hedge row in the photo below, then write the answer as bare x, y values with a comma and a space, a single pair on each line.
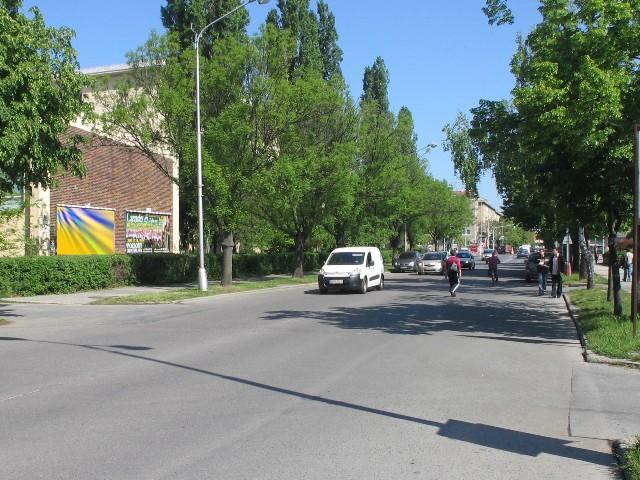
68, 274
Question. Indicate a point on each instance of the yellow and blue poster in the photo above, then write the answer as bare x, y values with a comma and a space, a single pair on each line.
85, 231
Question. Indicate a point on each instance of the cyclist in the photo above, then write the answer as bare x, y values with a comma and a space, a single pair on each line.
493, 266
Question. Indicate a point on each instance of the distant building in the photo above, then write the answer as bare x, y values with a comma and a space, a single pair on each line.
124, 203
483, 231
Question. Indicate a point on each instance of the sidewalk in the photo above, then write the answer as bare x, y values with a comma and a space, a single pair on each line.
604, 397
85, 298
603, 271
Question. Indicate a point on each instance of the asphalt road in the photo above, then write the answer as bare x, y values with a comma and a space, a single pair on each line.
406, 383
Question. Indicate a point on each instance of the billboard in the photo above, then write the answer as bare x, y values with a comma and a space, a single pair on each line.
85, 231
147, 232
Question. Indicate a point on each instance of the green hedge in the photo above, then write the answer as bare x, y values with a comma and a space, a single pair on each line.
67, 274
42, 275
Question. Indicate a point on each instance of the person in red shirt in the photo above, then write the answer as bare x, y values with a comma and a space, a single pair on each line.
454, 272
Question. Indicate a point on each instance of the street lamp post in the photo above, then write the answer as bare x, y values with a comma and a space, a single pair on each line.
202, 273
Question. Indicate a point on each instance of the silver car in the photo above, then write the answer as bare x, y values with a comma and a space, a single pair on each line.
432, 262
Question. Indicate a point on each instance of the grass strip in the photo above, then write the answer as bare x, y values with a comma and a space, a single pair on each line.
178, 295
574, 280
631, 460
605, 333
4, 322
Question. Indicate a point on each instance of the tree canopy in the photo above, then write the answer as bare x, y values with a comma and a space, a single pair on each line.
40, 94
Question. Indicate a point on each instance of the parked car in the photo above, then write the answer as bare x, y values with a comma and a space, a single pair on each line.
407, 262
352, 268
432, 262
531, 265
486, 254
467, 260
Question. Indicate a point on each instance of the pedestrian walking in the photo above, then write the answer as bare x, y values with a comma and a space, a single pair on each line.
557, 267
454, 272
628, 265
543, 270
493, 266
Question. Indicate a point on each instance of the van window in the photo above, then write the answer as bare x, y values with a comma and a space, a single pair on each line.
346, 258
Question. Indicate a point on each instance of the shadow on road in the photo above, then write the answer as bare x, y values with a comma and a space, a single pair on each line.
508, 440
413, 317
6, 311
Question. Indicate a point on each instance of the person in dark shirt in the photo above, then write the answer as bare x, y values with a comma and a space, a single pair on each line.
493, 264
543, 270
556, 267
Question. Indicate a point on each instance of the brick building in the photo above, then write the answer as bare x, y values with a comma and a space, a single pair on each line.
117, 178
120, 181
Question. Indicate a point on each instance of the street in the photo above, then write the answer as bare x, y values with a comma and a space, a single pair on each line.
290, 384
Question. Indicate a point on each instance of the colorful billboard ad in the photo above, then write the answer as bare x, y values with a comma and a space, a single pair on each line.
147, 232
85, 231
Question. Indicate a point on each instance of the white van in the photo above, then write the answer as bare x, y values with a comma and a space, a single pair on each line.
352, 268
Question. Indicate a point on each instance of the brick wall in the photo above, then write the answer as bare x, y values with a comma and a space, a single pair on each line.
116, 177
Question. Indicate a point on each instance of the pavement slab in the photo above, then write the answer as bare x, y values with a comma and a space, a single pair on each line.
604, 401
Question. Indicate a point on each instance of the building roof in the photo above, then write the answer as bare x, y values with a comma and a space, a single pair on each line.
120, 67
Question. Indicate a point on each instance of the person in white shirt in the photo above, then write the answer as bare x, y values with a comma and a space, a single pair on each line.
628, 266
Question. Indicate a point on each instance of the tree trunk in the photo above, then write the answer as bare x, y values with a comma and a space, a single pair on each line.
227, 259
609, 281
615, 272
587, 259
340, 235
301, 240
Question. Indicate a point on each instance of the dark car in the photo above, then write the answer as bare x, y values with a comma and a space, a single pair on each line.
407, 262
531, 265
467, 260
523, 253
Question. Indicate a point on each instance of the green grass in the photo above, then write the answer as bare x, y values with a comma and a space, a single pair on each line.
4, 322
188, 293
574, 280
631, 460
606, 334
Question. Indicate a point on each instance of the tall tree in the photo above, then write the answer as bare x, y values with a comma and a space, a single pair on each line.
40, 94
328, 38
463, 153
295, 16
309, 179
186, 17
375, 84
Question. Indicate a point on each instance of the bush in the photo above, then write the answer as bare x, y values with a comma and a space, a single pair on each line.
67, 274
43, 275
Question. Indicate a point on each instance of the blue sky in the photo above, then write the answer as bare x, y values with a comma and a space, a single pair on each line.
442, 56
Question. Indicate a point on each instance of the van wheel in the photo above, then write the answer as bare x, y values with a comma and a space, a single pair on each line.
381, 284
363, 286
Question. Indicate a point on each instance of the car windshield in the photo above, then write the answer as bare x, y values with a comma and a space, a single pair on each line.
488, 252
346, 258
432, 256
406, 255
463, 255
